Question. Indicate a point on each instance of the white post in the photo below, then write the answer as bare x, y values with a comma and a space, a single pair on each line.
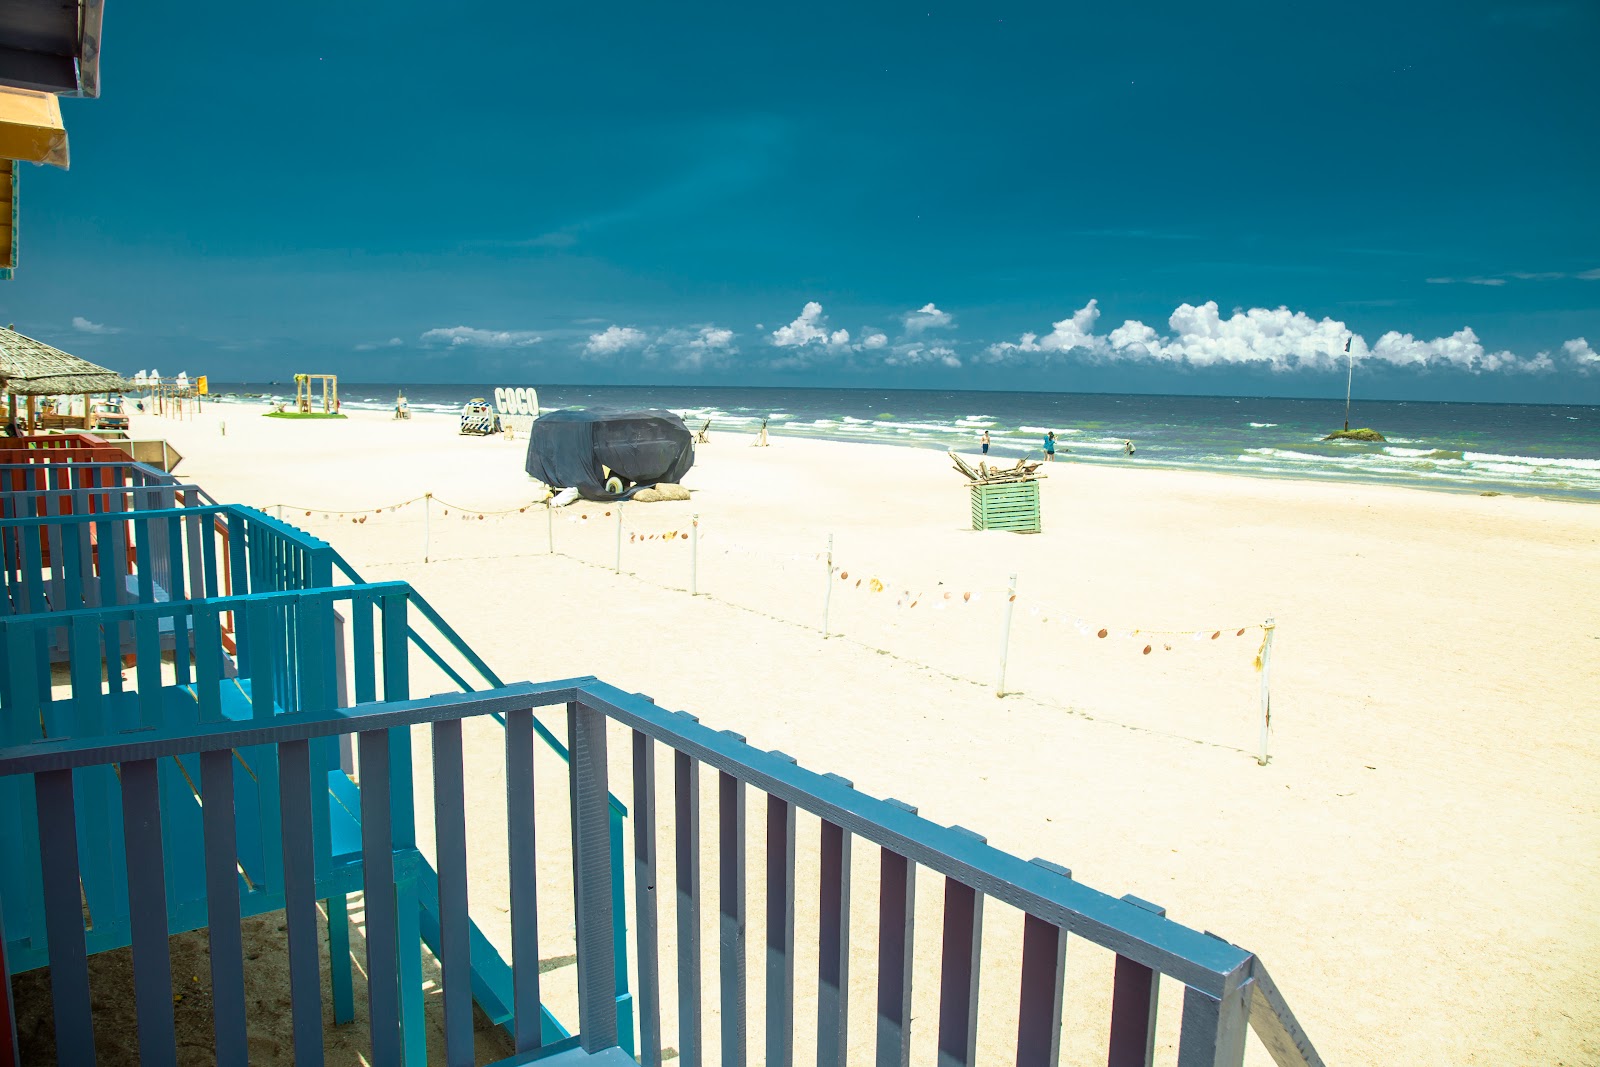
427, 526
619, 537
550, 526
827, 596
694, 558
1005, 637
280, 512
1266, 687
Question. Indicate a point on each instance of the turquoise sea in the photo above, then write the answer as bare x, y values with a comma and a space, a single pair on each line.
1549, 450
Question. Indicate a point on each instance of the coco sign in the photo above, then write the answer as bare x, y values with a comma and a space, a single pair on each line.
517, 406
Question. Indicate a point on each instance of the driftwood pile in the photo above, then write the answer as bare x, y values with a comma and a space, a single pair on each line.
1024, 471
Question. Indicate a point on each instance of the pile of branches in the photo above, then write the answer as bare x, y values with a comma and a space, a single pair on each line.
984, 474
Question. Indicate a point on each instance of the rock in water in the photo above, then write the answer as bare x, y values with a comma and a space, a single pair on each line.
1354, 435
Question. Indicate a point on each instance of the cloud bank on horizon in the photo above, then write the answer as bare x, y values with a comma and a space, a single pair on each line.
1196, 337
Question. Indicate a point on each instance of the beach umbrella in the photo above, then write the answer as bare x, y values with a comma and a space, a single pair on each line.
183, 380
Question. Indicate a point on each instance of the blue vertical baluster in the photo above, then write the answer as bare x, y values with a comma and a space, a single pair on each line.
299, 901
833, 966
63, 915
644, 886
780, 933
450, 831
1213, 1031
686, 797
377, 862
896, 914
1135, 991
222, 906
1044, 966
147, 906
524, 880
958, 984
397, 686
591, 852
731, 915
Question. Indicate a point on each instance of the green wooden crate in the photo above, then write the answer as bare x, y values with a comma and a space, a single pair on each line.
1006, 506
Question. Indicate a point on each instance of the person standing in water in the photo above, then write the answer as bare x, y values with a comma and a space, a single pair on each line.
984, 441
1050, 447
1127, 448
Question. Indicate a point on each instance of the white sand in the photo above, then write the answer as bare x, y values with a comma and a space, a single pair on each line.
1415, 865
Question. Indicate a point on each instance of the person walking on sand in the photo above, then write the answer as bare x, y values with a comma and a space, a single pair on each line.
984, 441
761, 438
1050, 447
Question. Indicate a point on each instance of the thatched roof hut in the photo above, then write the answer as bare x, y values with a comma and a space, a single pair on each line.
33, 368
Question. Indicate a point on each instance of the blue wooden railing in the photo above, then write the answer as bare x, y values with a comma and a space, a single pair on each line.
1226, 990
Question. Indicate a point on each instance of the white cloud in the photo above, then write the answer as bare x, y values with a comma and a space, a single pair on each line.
471, 335
614, 339
807, 329
1589, 275
708, 346
927, 317
1461, 351
1276, 338
1486, 281
874, 340
85, 326
1075, 332
1578, 351
393, 342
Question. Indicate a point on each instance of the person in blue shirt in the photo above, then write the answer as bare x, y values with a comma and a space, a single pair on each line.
1050, 447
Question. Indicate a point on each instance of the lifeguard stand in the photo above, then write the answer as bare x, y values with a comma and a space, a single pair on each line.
304, 384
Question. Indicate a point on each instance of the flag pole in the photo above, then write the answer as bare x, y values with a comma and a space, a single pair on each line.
1348, 381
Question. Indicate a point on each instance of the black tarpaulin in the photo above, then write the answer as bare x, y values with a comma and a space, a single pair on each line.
574, 447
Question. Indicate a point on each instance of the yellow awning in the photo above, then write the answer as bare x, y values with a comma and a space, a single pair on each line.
31, 127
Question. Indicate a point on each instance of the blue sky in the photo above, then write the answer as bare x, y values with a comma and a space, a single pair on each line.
1143, 197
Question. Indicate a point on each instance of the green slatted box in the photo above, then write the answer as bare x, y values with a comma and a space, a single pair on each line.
1010, 506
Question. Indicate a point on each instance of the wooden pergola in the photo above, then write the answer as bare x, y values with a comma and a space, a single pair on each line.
33, 369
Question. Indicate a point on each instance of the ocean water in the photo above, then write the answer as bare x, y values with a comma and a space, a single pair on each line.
1549, 450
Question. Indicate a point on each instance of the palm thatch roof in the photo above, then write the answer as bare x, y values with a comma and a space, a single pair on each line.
33, 368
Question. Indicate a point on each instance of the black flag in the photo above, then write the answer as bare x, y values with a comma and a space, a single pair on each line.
1347, 344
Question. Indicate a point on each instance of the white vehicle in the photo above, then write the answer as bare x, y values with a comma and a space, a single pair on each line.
478, 418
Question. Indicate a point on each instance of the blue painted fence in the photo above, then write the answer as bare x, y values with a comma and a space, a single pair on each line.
1226, 990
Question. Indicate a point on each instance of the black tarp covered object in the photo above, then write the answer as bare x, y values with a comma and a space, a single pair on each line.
574, 447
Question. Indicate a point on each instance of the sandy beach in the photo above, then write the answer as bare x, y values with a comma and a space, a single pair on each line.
1415, 864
